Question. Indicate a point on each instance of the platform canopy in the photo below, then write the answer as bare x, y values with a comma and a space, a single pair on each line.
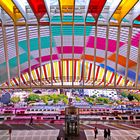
70, 44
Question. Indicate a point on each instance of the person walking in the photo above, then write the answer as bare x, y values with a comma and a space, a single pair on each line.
105, 134
109, 134
95, 132
31, 121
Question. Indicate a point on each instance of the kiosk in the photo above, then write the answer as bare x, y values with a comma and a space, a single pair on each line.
72, 121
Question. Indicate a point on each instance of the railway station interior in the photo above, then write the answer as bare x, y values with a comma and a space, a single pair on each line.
69, 69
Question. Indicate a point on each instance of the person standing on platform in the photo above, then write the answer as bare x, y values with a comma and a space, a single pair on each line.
95, 132
109, 134
31, 120
105, 134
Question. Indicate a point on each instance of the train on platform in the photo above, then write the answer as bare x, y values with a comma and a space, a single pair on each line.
85, 113
60, 110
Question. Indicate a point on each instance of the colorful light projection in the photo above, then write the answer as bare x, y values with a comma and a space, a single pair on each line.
124, 7
95, 8
11, 9
38, 7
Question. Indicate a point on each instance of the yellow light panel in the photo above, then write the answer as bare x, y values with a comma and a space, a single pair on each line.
8, 7
124, 7
67, 6
77, 71
64, 70
70, 70
56, 70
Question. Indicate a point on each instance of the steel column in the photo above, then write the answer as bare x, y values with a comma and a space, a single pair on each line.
51, 53
72, 53
106, 49
138, 66
61, 32
117, 54
29, 54
95, 43
6, 53
17, 53
83, 64
39, 49
73, 43
128, 54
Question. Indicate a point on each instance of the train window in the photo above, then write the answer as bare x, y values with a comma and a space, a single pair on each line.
32, 109
48, 110
137, 117
44, 109
52, 109
36, 110
119, 118
103, 109
107, 110
125, 118
1, 119
62, 118
111, 118
40, 109
95, 110
96, 118
99, 109
28, 109
104, 118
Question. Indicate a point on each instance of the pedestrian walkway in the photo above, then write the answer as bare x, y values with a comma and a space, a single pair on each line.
115, 134
29, 135
47, 131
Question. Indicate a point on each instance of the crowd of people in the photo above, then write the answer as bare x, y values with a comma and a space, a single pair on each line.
107, 133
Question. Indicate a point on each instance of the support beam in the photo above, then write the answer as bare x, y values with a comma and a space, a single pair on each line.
61, 32
71, 23
71, 87
51, 54
72, 53
117, 54
83, 66
29, 54
128, 54
138, 66
106, 49
17, 53
73, 43
39, 50
95, 45
6, 53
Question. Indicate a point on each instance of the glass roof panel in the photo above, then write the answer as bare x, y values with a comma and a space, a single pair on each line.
124, 7
8, 6
38, 8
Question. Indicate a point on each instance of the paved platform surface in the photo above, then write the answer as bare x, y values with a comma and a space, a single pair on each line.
50, 131
29, 135
115, 134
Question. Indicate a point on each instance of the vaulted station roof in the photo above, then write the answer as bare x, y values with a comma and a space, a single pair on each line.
70, 43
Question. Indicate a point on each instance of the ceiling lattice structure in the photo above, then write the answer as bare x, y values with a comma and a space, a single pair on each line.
70, 44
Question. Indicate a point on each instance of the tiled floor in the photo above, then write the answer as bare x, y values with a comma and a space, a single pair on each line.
50, 131
29, 135
115, 134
